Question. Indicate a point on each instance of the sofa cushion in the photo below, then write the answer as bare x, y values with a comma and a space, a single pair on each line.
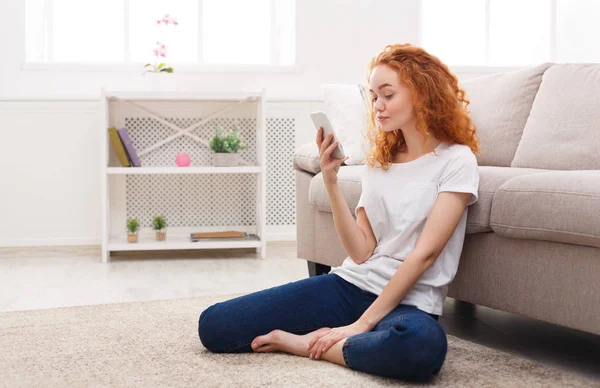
561, 206
499, 106
563, 129
306, 158
490, 179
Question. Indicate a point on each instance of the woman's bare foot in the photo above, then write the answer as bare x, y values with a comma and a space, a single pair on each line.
279, 340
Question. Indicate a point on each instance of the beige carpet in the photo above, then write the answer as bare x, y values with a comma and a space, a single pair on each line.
155, 344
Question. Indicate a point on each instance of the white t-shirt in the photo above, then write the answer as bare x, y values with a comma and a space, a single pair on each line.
397, 203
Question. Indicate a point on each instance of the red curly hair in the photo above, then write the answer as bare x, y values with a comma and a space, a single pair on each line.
440, 105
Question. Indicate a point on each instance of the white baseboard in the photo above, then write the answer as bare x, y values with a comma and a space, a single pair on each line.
48, 242
274, 233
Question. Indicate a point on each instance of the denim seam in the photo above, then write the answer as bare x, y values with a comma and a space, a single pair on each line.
238, 345
345, 353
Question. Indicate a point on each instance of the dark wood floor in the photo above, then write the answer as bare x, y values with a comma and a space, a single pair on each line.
567, 349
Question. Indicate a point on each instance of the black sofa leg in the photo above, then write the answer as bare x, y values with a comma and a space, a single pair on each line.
315, 269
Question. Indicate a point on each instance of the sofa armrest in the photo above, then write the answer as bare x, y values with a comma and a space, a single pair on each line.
306, 158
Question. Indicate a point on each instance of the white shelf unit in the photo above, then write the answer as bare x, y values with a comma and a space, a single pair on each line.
113, 185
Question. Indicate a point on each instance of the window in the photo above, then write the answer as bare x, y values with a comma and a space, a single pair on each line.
510, 33
207, 32
578, 31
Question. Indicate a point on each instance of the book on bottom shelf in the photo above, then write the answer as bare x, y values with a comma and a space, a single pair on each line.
222, 236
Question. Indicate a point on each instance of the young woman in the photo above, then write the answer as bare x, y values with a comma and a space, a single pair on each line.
378, 312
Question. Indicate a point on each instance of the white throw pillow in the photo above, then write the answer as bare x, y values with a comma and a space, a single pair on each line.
346, 106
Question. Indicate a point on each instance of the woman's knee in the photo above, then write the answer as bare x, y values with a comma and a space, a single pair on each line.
434, 342
206, 326
429, 347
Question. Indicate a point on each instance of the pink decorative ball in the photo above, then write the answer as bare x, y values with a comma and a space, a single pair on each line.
182, 159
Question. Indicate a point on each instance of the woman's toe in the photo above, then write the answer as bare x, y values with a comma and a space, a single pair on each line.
265, 348
261, 341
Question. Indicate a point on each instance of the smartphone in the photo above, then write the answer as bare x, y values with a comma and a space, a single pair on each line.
321, 121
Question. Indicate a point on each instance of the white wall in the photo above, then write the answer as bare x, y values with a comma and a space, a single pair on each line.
49, 150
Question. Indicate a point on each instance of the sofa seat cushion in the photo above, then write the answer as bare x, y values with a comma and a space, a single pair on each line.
306, 158
490, 179
560, 206
478, 216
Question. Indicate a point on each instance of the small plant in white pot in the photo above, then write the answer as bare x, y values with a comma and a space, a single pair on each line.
159, 224
132, 230
225, 148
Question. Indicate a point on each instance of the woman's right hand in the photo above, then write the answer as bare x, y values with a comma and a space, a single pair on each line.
329, 165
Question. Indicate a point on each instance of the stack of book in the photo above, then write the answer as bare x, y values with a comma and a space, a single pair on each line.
124, 147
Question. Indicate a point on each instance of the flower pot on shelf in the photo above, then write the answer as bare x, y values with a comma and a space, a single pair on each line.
159, 224
161, 235
157, 81
226, 159
133, 227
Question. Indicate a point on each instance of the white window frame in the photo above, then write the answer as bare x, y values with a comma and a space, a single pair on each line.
485, 69
128, 66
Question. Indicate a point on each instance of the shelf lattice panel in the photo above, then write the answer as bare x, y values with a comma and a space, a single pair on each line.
145, 131
211, 199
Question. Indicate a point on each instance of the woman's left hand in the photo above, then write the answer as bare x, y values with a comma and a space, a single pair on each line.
320, 345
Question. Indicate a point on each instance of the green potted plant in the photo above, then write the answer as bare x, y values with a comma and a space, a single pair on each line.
132, 230
159, 224
225, 147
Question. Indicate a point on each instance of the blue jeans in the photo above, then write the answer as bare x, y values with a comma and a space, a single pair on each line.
407, 344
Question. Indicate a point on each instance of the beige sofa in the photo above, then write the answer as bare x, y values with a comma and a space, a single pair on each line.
533, 238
